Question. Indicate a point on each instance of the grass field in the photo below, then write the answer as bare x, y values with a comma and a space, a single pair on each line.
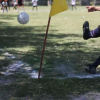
66, 53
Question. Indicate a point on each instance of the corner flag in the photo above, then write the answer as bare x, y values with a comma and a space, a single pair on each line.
58, 6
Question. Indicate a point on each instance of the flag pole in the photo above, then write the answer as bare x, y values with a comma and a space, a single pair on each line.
44, 47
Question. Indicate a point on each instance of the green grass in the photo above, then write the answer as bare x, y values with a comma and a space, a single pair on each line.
65, 47
49, 89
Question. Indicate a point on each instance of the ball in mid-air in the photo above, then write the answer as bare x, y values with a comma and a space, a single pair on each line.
23, 18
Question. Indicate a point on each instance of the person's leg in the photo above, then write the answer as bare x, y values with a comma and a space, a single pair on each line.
1, 5
6, 8
72, 7
33, 8
13, 7
18, 7
90, 34
8, 5
23, 8
92, 67
75, 7
96, 63
96, 32
36, 8
3, 9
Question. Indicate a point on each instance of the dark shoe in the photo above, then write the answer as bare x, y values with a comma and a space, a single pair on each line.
86, 30
90, 69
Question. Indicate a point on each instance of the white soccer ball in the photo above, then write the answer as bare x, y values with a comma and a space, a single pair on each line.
23, 18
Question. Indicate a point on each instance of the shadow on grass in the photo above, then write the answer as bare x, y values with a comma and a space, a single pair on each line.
55, 53
71, 54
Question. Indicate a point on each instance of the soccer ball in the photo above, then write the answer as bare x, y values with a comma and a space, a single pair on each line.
23, 18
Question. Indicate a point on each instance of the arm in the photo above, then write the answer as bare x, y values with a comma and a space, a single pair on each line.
92, 8
97, 8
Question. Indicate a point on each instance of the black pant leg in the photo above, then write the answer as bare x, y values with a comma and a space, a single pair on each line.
97, 62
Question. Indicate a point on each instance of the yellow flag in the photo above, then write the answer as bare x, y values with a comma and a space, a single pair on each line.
58, 6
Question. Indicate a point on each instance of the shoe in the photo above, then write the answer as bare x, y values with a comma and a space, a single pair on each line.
90, 69
86, 30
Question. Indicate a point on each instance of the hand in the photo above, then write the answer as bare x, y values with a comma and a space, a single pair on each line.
91, 8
